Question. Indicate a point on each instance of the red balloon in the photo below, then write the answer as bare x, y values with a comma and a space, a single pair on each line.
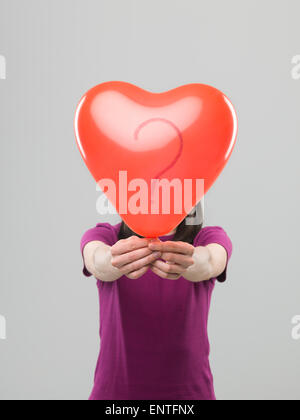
129, 137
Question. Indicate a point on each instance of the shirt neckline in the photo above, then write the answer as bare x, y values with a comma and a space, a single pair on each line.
167, 236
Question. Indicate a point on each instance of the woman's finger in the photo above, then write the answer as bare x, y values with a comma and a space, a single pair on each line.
127, 245
168, 268
138, 264
119, 261
139, 273
181, 259
164, 275
172, 246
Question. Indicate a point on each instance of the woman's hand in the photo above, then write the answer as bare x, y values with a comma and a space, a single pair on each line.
195, 264
177, 256
132, 256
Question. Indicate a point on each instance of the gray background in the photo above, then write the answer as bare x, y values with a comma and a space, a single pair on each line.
58, 49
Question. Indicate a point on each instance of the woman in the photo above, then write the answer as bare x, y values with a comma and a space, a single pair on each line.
154, 305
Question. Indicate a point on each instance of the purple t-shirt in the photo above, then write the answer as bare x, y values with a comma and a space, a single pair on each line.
153, 331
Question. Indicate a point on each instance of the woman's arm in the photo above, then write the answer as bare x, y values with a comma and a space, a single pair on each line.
97, 259
209, 262
130, 257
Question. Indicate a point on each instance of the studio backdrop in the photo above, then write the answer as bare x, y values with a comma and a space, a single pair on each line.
51, 52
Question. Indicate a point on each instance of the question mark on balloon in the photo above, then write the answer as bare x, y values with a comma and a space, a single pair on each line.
164, 120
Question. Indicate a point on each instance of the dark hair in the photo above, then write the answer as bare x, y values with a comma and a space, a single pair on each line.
184, 232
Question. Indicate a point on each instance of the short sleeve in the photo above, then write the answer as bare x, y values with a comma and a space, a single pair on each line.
215, 234
103, 232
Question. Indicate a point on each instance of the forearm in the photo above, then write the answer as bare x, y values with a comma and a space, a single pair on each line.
97, 258
102, 265
202, 269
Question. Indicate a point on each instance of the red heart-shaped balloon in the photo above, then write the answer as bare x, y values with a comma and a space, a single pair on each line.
128, 137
